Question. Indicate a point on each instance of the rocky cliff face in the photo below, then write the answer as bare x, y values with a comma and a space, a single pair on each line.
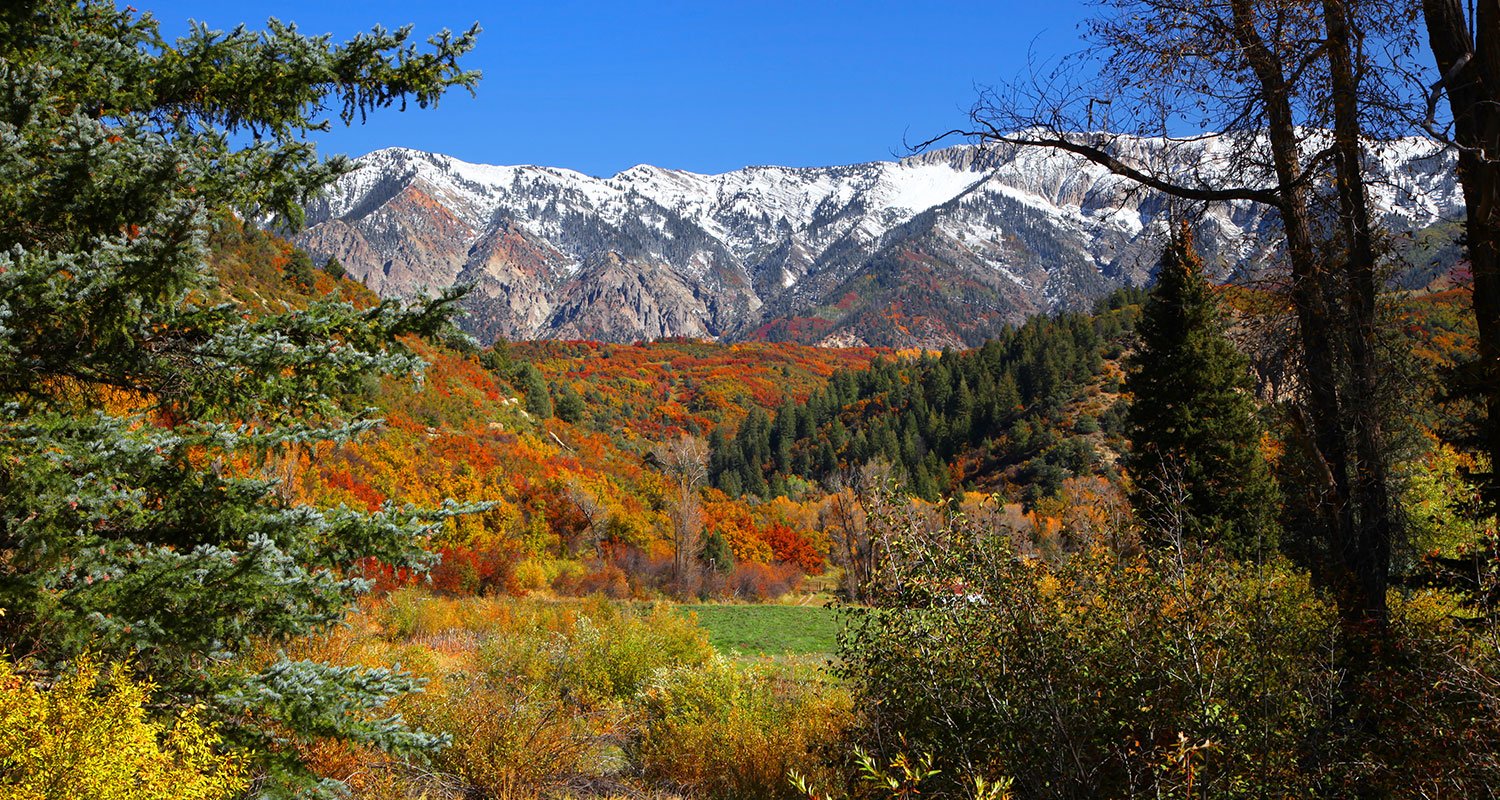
935, 250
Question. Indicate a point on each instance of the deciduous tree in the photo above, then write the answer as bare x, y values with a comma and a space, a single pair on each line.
1293, 96
685, 461
1467, 49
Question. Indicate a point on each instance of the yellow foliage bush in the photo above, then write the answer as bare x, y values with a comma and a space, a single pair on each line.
726, 730
89, 736
543, 698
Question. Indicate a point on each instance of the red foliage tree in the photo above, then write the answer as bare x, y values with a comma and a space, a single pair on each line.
791, 547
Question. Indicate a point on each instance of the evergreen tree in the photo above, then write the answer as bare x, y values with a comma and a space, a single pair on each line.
1007, 399
718, 457
496, 358
299, 270
783, 434
1195, 439
828, 461
754, 444
716, 554
569, 405
139, 416
534, 386
838, 435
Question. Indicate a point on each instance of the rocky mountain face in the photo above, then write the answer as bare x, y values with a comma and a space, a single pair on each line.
935, 250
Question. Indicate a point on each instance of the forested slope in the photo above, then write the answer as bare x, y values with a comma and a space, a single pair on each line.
1019, 414
557, 436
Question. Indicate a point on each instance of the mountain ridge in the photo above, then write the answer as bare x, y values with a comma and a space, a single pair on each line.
938, 249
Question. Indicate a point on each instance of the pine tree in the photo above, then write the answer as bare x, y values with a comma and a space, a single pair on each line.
569, 405
783, 434
299, 270
1195, 440
140, 418
496, 358
716, 553
534, 386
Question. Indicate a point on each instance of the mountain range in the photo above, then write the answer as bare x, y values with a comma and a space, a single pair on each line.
938, 249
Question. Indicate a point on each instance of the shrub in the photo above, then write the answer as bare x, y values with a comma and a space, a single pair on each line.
1432, 698
531, 575
1102, 675
764, 581
720, 730
578, 698
512, 738
632, 574
89, 736
1095, 676
534, 696
611, 651
476, 570
598, 577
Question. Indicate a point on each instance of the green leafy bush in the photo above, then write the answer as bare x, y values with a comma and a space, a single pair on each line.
1101, 675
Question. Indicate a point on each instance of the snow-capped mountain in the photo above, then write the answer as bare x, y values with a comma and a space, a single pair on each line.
934, 250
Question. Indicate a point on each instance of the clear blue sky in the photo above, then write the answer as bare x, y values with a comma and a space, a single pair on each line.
705, 86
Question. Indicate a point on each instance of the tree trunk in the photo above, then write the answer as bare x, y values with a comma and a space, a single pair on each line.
1366, 555
1471, 77
1312, 293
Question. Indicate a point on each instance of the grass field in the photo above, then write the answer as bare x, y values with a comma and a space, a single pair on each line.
772, 630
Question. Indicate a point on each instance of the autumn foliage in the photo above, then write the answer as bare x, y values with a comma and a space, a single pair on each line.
91, 735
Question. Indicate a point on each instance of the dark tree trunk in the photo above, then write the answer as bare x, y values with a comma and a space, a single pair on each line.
1471, 77
1366, 556
1314, 295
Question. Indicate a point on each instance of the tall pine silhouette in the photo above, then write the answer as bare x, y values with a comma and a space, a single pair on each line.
1195, 454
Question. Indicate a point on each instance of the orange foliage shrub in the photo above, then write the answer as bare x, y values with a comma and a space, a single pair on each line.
791, 547
468, 570
601, 577
363, 494
764, 581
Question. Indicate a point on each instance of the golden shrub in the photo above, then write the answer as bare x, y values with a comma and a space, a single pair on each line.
89, 736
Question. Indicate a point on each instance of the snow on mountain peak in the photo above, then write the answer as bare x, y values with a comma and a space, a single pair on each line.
650, 251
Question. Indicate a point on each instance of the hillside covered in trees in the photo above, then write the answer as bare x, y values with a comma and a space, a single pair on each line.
1027, 409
